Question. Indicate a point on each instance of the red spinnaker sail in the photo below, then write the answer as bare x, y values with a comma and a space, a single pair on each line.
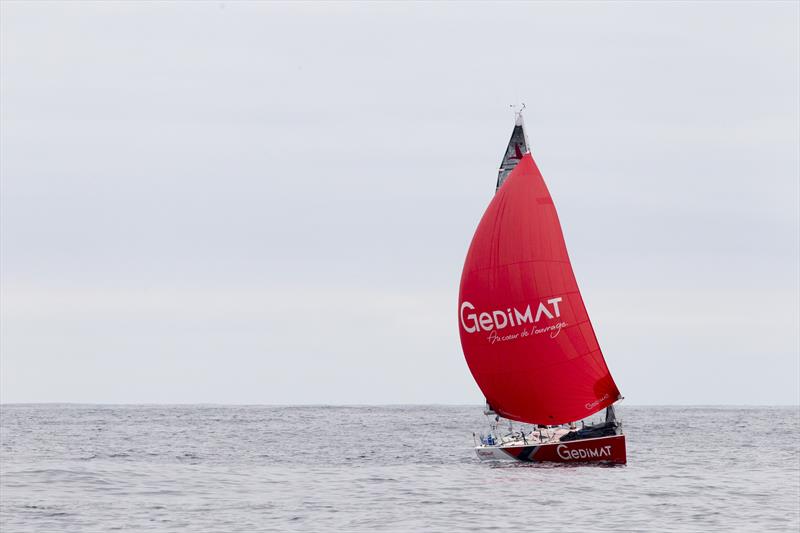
524, 329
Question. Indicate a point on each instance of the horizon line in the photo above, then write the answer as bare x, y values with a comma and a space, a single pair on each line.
213, 404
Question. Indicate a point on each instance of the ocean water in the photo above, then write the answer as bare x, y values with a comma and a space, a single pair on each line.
398, 468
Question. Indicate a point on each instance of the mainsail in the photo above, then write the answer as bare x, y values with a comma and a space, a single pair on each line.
524, 329
517, 147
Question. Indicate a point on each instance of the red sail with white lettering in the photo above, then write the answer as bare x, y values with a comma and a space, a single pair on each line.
524, 329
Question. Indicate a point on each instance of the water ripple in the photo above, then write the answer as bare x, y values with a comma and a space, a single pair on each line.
400, 468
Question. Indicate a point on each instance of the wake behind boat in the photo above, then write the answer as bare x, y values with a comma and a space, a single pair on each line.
525, 331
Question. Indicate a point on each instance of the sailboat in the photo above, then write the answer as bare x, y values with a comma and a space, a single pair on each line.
525, 332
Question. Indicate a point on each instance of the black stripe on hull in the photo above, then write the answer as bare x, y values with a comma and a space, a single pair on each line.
524, 454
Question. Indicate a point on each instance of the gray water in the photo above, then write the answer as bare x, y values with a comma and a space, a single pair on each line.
412, 468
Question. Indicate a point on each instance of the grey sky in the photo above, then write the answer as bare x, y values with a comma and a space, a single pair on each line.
271, 203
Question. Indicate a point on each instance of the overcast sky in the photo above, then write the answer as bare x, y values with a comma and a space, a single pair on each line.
234, 202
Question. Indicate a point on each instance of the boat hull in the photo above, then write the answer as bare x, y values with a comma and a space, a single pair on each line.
604, 450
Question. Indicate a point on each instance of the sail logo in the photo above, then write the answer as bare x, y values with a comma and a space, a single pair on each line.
592, 405
590, 453
473, 322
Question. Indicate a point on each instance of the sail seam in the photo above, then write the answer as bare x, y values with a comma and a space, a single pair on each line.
521, 263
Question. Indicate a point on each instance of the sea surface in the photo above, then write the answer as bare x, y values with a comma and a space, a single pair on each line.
398, 468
